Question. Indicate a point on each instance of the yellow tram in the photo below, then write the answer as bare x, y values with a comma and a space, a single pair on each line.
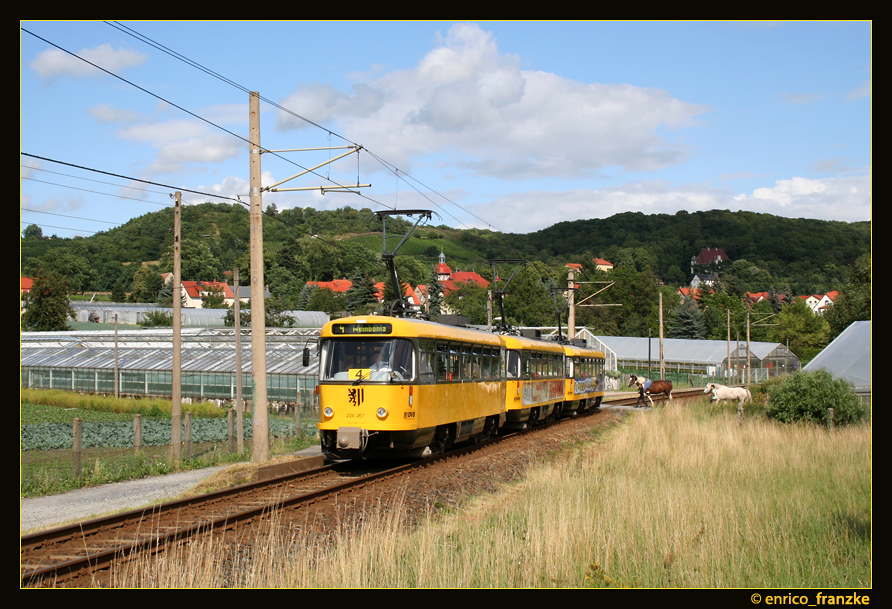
393, 386
584, 374
535, 380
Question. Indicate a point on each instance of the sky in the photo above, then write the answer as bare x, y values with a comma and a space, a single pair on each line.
511, 126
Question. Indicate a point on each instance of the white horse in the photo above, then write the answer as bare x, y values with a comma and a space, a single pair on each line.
722, 393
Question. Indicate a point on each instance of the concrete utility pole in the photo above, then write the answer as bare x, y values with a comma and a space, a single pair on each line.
117, 372
176, 381
258, 307
729, 347
571, 315
239, 402
662, 362
748, 347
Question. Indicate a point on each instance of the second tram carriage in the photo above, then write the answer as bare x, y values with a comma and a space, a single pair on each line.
535, 380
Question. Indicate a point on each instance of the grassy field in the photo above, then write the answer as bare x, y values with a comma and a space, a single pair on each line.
674, 497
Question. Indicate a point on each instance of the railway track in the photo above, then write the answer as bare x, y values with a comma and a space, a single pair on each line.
79, 554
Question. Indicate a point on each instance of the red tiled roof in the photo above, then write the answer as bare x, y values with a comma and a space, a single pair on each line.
196, 288
469, 276
708, 255
338, 285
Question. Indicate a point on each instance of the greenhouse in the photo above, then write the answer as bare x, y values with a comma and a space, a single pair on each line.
86, 362
133, 314
848, 358
705, 358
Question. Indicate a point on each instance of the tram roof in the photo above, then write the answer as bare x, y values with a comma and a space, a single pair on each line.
395, 327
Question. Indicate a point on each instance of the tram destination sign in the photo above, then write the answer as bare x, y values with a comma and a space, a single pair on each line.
361, 329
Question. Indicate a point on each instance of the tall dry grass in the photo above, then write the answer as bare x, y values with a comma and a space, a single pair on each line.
673, 498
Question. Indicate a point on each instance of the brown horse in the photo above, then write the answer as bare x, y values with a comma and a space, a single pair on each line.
648, 388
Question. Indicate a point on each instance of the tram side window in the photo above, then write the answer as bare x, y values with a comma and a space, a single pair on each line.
443, 362
427, 363
486, 359
513, 365
402, 361
477, 362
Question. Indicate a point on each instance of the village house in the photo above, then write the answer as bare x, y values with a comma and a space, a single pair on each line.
602, 265
194, 292
709, 257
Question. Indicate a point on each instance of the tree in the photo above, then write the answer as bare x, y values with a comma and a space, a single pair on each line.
213, 298
147, 284
853, 302
434, 296
74, 267
197, 262
361, 293
276, 315
687, 321
804, 332
32, 231
165, 296
469, 299
47, 308
326, 300
119, 293
715, 307
303, 299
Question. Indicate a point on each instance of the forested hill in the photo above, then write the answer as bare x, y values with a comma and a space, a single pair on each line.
666, 243
806, 255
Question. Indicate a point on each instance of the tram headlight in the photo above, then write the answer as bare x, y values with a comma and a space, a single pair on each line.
328, 412
381, 412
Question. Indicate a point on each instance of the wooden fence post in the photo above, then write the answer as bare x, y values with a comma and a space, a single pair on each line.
137, 433
297, 415
77, 451
832, 415
188, 447
230, 423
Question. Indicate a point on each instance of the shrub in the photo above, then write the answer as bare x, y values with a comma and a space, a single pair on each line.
807, 396
153, 319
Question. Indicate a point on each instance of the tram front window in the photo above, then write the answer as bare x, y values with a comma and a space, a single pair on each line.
371, 360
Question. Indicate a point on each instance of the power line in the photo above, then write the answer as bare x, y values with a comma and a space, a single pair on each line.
123, 177
232, 83
38, 211
214, 74
69, 175
190, 113
95, 192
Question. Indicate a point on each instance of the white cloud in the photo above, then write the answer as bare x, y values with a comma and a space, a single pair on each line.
860, 92
106, 113
467, 98
846, 199
53, 64
801, 98
182, 142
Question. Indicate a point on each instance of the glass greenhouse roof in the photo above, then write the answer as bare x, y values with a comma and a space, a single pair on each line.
848, 356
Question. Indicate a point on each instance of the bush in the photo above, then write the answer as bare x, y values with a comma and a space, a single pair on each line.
152, 319
807, 396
